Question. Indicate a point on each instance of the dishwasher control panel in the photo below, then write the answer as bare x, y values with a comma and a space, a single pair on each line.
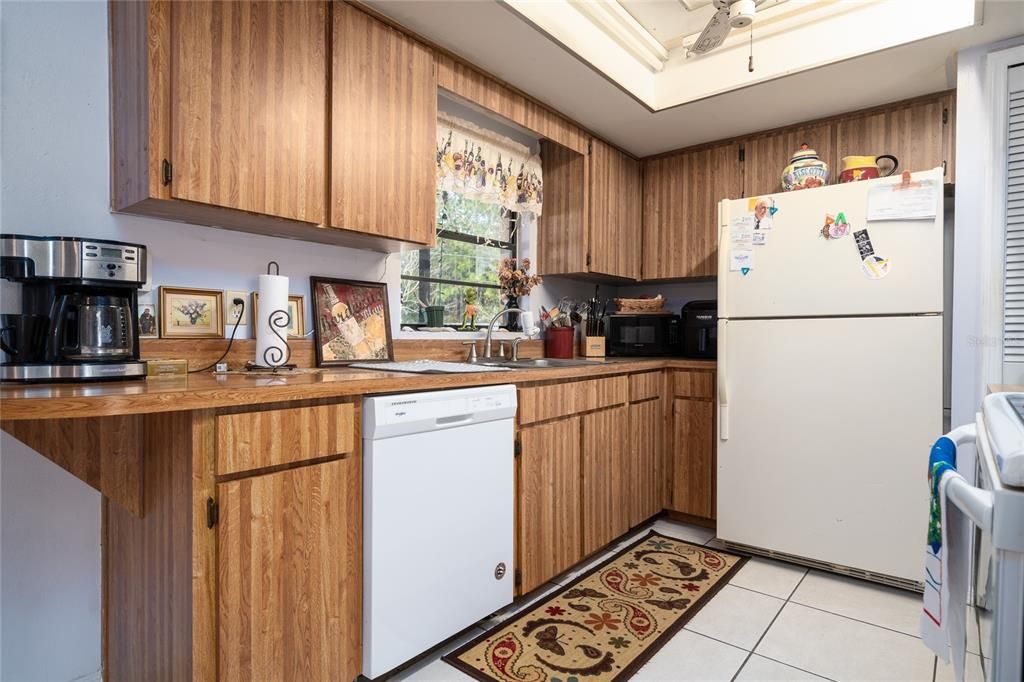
394, 415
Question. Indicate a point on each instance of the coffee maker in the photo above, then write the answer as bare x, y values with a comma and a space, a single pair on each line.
69, 308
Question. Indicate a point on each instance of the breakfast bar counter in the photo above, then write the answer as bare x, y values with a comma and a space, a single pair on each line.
208, 390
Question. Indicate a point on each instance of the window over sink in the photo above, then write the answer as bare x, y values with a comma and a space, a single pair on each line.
472, 239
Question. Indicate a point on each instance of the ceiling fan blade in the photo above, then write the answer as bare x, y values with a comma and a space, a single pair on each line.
713, 34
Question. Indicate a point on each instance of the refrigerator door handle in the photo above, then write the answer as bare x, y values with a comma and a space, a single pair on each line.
723, 382
723, 254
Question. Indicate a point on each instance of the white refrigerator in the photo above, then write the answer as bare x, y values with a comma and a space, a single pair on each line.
830, 373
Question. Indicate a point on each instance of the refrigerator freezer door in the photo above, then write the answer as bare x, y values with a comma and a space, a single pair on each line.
798, 273
829, 423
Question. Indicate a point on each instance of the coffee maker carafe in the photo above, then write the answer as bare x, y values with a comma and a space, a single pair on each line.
90, 327
71, 309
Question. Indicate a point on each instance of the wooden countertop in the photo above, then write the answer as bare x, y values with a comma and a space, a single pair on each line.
1005, 388
208, 390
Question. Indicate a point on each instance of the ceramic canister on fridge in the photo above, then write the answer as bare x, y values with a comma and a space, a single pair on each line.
272, 326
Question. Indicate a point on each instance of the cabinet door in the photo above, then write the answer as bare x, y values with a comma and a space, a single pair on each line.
644, 468
615, 212
249, 106
290, 574
693, 457
680, 214
605, 477
765, 156
913, 132
562, 232
383, 129
549, 532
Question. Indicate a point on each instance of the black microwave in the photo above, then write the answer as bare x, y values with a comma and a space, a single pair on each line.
642, 335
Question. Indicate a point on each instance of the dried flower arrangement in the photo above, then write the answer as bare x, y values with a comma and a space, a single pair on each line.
513, 277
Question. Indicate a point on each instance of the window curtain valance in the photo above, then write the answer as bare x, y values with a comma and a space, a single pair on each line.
486, 166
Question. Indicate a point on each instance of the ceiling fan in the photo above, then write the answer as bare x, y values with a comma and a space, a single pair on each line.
731, 14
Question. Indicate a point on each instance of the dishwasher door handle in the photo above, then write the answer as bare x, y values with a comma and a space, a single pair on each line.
456, 419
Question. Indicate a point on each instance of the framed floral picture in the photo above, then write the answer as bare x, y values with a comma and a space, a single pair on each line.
191, 313
296, 310
350, 321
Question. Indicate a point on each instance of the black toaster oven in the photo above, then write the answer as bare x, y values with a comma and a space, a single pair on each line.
642, 335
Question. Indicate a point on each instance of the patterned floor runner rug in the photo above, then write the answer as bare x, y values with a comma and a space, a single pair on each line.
607, 623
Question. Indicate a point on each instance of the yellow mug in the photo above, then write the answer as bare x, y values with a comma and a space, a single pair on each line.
865, 167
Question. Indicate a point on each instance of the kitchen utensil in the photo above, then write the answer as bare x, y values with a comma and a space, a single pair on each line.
866, 167
805, 170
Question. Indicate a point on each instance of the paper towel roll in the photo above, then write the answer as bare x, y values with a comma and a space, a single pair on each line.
271, 349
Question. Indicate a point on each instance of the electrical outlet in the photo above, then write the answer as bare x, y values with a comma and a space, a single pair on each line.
236, 311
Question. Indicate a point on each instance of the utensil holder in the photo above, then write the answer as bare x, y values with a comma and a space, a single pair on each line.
591, 346
558, 342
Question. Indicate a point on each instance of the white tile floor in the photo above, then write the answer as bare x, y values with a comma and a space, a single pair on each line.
774, 621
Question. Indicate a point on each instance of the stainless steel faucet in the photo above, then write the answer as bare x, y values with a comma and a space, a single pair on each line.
490, 329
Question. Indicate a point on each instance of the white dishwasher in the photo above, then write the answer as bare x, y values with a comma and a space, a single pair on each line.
438, 486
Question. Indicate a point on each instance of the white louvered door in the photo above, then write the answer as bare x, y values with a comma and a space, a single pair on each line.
1013, 292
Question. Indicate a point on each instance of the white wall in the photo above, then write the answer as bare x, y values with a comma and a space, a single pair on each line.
50, 575
54, 179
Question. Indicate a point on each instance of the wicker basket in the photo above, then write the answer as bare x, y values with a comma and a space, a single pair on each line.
640, 305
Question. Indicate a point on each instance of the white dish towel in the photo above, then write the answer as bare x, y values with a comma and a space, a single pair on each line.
943, 617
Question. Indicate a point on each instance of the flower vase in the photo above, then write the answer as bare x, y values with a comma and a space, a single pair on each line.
512, 319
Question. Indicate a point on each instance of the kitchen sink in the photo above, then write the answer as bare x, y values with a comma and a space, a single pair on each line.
528, 363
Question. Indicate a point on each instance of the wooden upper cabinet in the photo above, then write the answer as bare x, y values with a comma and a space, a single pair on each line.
615, 212
383, 129
680, 210
765, 156
562, 230
915, 132
591, 218
249, 106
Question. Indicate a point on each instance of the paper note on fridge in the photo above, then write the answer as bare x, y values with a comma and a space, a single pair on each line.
918, 201
740, 260
741, 232
741, 242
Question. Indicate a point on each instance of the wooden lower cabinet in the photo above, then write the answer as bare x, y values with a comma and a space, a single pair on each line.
693, 455
548, 513
289, 574
254, 576
644, 497
606, 477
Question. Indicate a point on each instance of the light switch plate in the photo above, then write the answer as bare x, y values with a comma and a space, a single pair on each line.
233, 311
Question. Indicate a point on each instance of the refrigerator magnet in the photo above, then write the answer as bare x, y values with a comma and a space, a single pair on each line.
762, 213
863, 241
875, 267
835, 227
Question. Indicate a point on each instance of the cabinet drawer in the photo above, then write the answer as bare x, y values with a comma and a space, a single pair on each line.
254, 440
538, 403
644, 386
694, 384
